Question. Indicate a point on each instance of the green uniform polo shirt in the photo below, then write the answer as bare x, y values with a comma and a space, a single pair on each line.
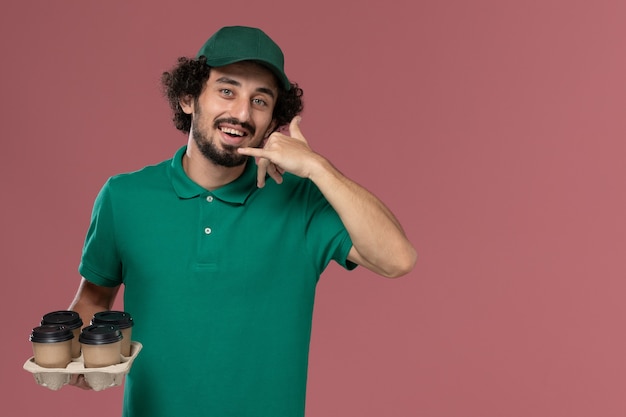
220, 285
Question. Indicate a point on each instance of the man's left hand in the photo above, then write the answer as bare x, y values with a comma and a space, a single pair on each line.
282, 153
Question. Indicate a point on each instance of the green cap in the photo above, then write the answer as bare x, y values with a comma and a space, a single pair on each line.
233, 44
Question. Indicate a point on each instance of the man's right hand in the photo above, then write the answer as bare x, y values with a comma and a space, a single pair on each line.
79, 381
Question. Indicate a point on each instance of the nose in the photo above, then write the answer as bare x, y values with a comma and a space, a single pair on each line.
240, 109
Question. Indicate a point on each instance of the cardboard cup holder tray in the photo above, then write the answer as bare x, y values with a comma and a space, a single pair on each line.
98, 378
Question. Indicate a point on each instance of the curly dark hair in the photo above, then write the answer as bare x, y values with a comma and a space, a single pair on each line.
189, 78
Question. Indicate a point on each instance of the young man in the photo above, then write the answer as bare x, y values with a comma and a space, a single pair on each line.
221, 247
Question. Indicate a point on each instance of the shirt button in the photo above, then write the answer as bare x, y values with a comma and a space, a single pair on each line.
209, 198
207, 230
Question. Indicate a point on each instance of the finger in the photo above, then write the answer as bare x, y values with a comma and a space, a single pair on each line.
256, 152
294, 128
275, 173
262, 167
79, 381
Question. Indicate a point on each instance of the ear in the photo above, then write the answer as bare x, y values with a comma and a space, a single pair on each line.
186, 104
270, 129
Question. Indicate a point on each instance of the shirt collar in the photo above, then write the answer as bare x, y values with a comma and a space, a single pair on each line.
235, 192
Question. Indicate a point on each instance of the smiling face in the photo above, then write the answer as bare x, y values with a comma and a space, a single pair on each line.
234, 110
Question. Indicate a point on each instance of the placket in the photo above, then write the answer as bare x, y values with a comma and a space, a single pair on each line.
206, 257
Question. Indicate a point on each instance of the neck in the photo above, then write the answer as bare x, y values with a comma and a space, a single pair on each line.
205, 173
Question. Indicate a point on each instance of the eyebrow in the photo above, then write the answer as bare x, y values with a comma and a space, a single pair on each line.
226, 80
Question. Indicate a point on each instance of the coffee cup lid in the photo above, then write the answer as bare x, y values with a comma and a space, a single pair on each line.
120, 318
51, 333
67, 318
100, 334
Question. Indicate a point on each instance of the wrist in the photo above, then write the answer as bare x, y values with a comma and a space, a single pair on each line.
321, 170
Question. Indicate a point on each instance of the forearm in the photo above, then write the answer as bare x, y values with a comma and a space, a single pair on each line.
91, 299
379, 242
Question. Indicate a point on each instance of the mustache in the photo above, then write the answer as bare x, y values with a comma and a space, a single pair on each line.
235, 121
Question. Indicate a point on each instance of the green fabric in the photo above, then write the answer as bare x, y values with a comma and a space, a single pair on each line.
233, 44
224, 317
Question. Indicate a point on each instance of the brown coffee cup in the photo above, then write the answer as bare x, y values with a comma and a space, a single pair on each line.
101, 345
121, 319
52, 345
69, 319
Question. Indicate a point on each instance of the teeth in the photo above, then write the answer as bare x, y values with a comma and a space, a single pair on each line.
231, 131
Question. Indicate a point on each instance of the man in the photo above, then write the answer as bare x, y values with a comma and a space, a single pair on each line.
220, 248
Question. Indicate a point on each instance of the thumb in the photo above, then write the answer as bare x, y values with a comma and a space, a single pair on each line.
294, 128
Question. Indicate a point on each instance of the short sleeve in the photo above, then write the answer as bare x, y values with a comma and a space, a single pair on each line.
100, 261
327, 237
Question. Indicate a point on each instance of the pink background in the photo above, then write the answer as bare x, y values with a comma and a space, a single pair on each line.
495, 130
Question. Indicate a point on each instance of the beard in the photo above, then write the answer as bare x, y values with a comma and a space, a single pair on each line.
226, 157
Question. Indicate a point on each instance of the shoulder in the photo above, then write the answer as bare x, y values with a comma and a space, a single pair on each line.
296, 195
140, 178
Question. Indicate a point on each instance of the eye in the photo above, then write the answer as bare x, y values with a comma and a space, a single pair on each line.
226, 92
259, 102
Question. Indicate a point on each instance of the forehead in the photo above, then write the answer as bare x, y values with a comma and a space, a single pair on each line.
246, 73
